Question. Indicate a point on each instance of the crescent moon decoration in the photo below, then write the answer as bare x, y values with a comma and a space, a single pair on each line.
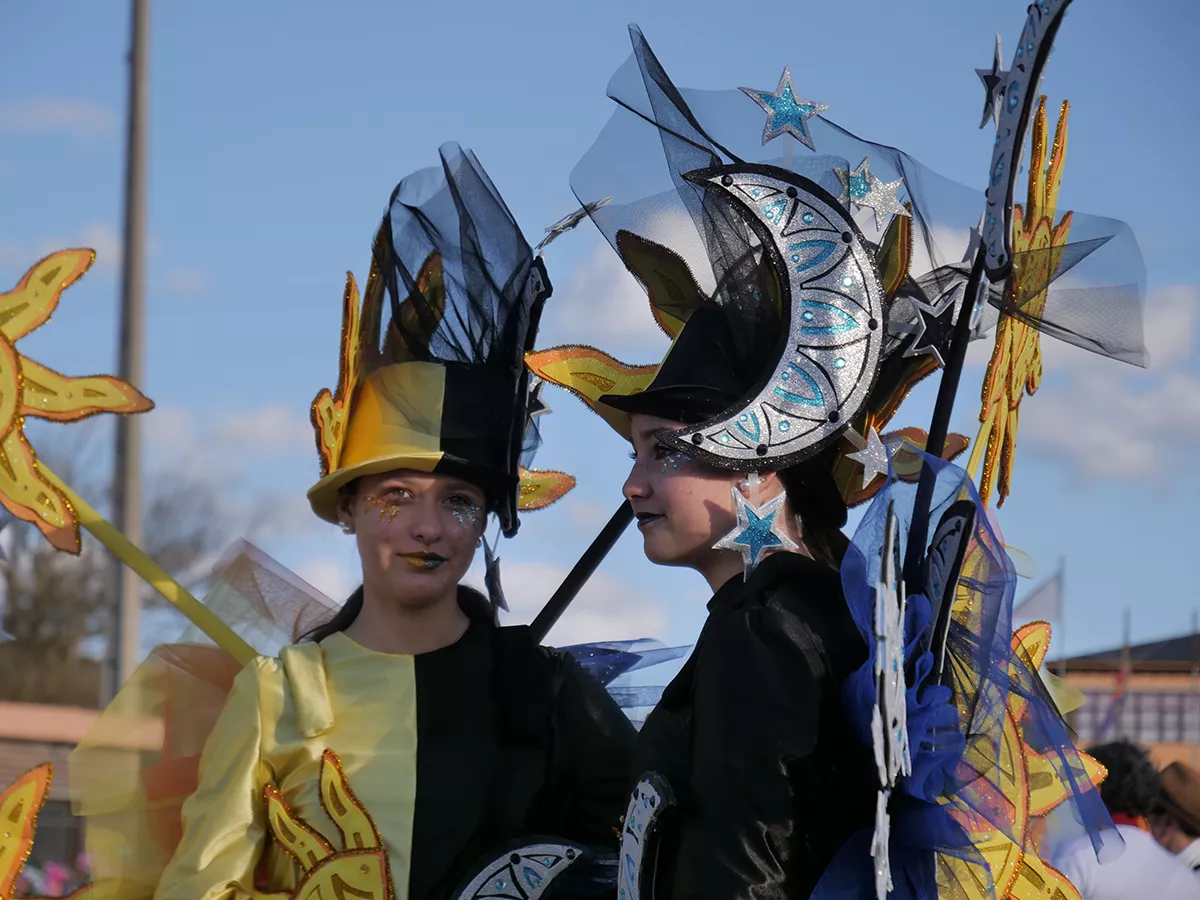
834, 323
1020, 94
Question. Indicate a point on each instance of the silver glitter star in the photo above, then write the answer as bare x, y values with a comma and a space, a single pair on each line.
537, 405
863, 189
567, 222
785, 112
873, 458
993, 84
934, 329
755, 531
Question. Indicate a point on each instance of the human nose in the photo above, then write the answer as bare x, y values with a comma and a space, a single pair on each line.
427, 526
636, 486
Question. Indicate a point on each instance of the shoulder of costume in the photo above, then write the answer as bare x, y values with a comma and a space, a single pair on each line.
304, 667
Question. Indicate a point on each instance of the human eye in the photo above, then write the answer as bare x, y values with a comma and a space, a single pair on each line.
464, 508
662, 451
389, 500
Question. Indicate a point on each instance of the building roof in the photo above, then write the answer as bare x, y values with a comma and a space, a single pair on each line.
1169, 655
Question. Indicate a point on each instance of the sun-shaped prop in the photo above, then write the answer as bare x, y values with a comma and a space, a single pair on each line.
1016, 364
28, 388
29, 490
1025, 788
20, 804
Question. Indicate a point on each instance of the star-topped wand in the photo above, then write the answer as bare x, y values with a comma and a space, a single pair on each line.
29, 490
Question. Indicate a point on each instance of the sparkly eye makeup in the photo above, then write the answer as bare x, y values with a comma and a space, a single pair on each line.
389, 502
465, 510
669, 457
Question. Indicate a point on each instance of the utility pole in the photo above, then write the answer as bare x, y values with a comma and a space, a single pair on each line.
127, 494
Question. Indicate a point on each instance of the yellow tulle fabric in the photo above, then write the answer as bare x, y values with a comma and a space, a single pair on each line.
368, 702
134, 769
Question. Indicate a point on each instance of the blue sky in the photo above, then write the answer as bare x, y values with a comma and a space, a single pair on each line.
278, 130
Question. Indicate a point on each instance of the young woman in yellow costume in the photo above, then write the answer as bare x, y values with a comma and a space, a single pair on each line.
410, 741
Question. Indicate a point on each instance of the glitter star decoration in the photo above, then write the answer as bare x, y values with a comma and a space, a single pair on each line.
785, 113
993, 85
863, 189
537, 406
567, 222
873, 458
755, 532
934, 329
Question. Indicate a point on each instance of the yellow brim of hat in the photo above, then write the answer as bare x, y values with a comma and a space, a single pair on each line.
395, 423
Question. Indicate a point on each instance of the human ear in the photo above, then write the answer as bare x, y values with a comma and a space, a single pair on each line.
345, 510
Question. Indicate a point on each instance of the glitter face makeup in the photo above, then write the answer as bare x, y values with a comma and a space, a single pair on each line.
669, 458
416, 532
672, 459
462, 509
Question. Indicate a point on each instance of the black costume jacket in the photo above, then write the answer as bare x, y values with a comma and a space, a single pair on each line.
769, 779
514, 740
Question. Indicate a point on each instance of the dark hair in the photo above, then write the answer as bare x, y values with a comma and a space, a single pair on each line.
1132, 786
341, 620
1162, 816
814, 497
473, 603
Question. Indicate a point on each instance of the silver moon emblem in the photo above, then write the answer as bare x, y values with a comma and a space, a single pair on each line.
833, 314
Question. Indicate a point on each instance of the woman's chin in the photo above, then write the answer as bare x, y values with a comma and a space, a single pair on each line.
660, 550
421, 588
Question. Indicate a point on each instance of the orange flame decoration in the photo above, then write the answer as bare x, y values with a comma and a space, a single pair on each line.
331, 411
542, 487
1016, 364
360, 869
27, 388
20, 804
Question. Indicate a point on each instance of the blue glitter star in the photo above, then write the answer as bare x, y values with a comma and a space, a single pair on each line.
785, 112
755, 531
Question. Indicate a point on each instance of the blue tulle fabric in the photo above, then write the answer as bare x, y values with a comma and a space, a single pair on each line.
612, 662
955, 724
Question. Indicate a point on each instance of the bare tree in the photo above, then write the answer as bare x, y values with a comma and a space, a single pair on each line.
57, 608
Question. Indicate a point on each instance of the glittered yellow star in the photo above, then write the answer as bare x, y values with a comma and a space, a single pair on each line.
27, 388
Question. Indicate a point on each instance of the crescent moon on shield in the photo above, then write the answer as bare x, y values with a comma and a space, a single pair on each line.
833, 316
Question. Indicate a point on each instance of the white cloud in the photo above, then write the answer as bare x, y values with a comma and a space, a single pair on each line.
102, 237
586, 515
604, 305
607, 608
330, 576
227, 449
267, 431
169, 430
78, 118
1114, 421
949, 245
185, 282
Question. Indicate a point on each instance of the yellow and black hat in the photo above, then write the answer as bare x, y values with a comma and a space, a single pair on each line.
441, 387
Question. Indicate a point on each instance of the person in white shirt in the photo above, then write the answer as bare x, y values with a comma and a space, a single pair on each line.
1142, 867
1176, 820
